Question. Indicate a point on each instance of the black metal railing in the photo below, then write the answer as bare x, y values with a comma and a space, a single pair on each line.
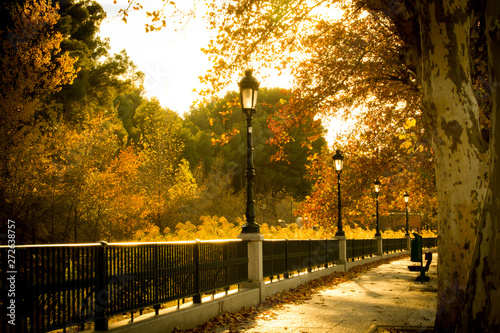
287, 256
429, 242
394, 244
54, 286
59, 286
360, 248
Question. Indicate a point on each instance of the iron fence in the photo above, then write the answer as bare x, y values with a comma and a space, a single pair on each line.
287, 256
394, 244
360, 248
429, 242
58, 286
66, 285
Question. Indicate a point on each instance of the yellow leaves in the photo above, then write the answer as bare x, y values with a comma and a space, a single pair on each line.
411, 122
211, 228
31, 55
406, 145
214, 227
224, 137
293, 231
312, 158
410, 138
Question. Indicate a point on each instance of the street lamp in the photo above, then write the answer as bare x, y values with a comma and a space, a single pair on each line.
249, 87
377, 190
338, 160
407, 198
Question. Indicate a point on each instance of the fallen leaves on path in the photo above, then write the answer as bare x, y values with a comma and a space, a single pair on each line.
235, 321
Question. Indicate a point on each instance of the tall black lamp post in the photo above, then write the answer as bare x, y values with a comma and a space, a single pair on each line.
377, 190
249, 87
338, 160
407, 198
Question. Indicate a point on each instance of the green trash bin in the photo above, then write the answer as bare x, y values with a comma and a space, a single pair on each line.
416, 256
416, 248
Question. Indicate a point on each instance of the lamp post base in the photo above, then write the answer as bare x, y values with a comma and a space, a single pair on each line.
250, 228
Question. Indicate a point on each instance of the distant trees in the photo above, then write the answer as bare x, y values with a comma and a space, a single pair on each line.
365, 160
222, 135
61, 142
86, 157
112, 161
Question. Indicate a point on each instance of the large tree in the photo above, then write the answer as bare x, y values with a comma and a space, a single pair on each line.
422, 47
482, 308
101, 76
32, 67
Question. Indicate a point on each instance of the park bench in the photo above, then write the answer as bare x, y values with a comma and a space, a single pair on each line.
416, 256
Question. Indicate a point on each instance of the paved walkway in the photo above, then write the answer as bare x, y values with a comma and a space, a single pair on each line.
385, 295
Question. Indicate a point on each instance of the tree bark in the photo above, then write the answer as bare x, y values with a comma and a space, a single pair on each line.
482, 306
452, 115
468, 191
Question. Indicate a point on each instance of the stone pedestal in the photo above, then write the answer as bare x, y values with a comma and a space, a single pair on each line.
342, 249
380, 248
255, 262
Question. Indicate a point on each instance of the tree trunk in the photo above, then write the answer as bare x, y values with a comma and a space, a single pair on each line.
452, 115
482, 308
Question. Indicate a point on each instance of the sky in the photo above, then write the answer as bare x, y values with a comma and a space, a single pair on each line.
171, 60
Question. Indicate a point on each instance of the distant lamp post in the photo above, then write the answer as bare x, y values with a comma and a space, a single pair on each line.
407, 198
249, 87
338, 159
377, 190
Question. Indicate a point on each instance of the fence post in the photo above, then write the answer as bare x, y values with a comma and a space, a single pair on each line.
286, 275
156, 286
380, 249
309, 267
101, 293
255, 262
326, 253
342, 250
197, 275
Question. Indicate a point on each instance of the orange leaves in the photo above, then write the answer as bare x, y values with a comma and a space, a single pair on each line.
155, 16
367, 160
169, 12
345, 64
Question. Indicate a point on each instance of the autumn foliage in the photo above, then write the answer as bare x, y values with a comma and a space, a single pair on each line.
86, 157
216, 227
